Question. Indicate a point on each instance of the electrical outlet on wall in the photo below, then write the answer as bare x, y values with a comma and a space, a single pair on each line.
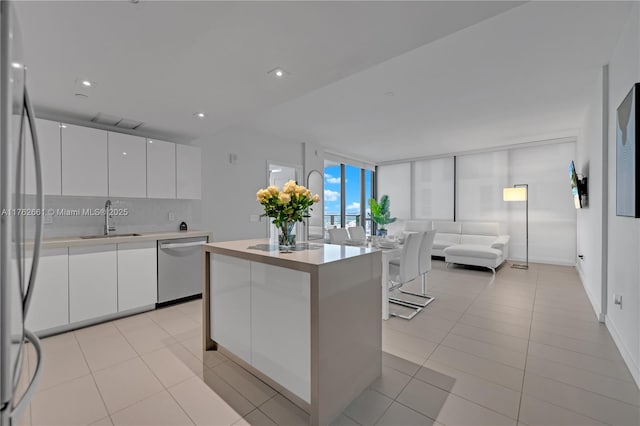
172, 216
48, 219
617, 300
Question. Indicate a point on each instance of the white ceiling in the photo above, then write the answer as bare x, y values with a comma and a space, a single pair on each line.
464, 75
522, 76
160, 61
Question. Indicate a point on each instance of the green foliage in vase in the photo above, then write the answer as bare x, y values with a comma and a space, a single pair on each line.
380, 213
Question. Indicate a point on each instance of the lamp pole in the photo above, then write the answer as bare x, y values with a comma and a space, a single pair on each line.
526, 201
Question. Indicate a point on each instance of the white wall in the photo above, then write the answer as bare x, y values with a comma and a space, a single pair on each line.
229, 190
590, 162
623, 267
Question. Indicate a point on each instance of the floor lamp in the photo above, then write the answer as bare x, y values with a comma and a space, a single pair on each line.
520, 192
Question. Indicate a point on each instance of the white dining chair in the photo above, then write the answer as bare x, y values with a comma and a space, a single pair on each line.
406, 271
337, 235
357, 233
424, 266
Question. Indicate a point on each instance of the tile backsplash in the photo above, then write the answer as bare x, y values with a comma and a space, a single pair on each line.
76, 216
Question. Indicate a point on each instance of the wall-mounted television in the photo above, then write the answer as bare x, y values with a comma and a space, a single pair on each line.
578, 187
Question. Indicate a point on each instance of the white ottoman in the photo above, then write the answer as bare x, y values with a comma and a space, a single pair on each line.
474, 254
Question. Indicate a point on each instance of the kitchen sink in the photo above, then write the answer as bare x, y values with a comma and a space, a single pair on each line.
88, 237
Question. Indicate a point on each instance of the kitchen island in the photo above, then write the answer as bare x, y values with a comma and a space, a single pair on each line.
306, 322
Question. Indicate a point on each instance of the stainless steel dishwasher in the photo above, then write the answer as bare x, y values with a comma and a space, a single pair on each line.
179, 268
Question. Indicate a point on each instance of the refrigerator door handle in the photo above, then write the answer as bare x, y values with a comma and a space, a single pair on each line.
39, 204
26, 396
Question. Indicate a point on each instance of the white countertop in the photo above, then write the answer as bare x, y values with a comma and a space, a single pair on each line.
116, 239
315, 255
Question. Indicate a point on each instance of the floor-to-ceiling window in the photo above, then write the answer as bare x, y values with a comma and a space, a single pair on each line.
332, 195
352, 198
347, 189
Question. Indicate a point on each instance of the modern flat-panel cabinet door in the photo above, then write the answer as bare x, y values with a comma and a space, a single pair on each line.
231, 304
137, 275
50, 156
50, 301
84, 161
281, 326
188, 172
161, 169
127, 166
93, 282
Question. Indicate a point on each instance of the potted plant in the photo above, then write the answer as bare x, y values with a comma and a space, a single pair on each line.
380, 214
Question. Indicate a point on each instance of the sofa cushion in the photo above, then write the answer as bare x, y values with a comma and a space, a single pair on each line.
447, 227
417, 225
473, 250
447, 239
480, 228
481, 240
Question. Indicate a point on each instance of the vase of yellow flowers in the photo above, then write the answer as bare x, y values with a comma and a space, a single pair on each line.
286, 207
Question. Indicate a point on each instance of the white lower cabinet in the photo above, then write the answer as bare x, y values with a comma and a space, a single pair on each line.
49, 306
137, 275
93, 282
262, 313
281, 326
231, 307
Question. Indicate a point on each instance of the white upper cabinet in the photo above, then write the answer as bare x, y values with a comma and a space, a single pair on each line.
84, 161
161, 169
188, 172
48, 133
127, 166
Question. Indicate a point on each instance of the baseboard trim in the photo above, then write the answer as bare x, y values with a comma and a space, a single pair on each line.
626, 355
543, 261
594, 305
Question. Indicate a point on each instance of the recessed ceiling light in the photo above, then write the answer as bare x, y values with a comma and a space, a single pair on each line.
199, 114
16, 64
124, 153
278, 72
63, 126
150, 141
86, 83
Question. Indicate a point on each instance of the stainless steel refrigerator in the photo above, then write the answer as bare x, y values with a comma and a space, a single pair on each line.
20, 229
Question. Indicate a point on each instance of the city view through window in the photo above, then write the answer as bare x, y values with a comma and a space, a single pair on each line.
356, 208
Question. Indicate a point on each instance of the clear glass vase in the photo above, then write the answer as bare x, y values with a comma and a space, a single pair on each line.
286, 238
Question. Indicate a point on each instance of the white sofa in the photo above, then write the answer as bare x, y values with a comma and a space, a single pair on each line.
466, 243
471, 243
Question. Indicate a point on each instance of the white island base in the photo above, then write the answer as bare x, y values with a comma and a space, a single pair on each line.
307, 322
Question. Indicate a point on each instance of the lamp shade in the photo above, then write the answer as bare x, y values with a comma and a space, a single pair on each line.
514, 194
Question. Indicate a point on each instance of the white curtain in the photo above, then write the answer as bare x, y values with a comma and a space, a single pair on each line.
433, 189
395, 181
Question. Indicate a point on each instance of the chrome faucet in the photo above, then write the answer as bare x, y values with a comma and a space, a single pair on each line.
107, 214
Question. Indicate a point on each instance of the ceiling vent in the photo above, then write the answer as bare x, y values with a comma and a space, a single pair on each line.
110, 120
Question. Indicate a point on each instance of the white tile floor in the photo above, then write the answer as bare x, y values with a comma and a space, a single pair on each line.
523, 349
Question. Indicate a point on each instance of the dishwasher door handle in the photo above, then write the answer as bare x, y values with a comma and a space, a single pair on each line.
181, 245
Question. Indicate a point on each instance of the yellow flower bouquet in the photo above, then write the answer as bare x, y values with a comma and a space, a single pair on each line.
286, 207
